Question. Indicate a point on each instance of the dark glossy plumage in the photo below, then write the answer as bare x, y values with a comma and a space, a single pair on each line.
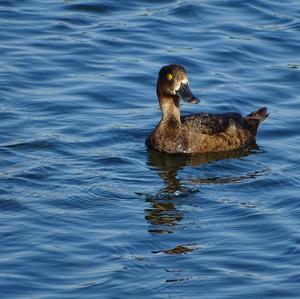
197, 133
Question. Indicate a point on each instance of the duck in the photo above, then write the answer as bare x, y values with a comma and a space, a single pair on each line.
201, 132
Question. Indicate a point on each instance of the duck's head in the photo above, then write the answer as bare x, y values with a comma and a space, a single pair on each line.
173, 83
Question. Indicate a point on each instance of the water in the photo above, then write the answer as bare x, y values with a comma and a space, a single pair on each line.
86, 210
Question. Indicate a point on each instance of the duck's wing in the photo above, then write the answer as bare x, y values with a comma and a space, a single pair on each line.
206, 123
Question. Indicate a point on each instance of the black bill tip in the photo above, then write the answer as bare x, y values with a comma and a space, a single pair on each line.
186, 94
193, 100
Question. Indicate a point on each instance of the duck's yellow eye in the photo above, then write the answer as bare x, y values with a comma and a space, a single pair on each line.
169, 76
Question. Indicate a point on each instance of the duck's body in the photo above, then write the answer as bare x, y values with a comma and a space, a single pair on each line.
200, 133
197, 133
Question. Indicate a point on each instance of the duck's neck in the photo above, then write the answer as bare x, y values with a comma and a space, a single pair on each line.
170, 108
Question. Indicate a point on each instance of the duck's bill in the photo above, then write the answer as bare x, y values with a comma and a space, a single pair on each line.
185, 93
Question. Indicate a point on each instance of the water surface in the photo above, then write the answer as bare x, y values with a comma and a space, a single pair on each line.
86, 210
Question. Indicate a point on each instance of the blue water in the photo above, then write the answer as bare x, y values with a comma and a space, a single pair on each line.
86, 210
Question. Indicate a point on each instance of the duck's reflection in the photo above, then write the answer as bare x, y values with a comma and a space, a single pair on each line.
167, 166
162, 214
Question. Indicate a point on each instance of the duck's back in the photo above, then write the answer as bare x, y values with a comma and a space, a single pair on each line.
221, 132
207, 123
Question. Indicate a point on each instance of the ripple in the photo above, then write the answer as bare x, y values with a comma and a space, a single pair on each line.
180, 249
93, 8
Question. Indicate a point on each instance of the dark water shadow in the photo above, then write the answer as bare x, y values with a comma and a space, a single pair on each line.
163, 214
